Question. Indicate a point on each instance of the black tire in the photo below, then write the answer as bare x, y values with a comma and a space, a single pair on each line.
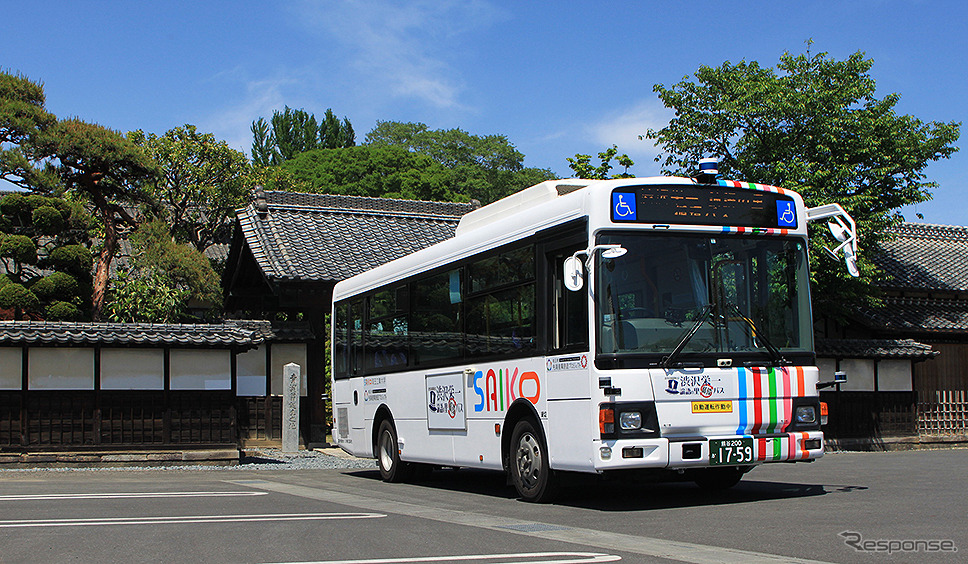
392, 469
529, 464
718, 479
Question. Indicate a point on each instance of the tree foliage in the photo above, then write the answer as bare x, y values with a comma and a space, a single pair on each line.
203, 181
813, 124
384, 172
109, 171
291, 132
582, 165
22, 119
484, 168
145, 299
164, 280
40, 250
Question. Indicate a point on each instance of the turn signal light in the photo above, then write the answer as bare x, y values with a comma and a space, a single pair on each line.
606, 419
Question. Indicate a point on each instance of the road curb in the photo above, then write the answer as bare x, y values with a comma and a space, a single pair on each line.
221, 457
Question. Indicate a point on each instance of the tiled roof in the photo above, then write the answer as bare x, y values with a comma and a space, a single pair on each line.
277, 331
874, 348
925, 257
919, 315
926, 267
296, 236
129, 334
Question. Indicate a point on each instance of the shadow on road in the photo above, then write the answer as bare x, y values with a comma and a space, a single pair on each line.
621, 494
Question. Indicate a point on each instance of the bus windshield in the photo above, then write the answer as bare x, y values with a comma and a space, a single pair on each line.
699, 295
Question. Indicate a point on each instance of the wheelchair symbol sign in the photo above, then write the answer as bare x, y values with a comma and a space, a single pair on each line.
623, 206
786, 215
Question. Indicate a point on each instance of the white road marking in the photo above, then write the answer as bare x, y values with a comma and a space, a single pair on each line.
528, 558
124, 495
183, 519
654, 547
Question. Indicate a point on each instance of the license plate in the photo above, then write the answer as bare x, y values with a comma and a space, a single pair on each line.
730, 451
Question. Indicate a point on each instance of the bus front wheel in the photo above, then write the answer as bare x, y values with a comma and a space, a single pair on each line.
392, 469
530, 466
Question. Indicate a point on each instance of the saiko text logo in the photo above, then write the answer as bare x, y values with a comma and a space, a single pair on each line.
501, 388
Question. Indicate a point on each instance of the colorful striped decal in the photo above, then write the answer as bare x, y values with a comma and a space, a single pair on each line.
751, 186
755, 230
761, 188
765, 406
765, 398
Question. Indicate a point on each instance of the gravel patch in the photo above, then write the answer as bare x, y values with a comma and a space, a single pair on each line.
253, 459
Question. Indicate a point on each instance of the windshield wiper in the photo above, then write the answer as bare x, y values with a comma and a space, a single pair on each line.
667, 361
775, 354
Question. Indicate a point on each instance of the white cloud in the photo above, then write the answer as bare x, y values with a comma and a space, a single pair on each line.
401, 49
233, 123
624, 127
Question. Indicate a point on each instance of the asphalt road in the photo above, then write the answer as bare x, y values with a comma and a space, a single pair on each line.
913, 504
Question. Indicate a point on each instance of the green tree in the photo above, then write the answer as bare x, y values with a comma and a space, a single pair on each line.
582, 165
111, 173
203, 181
164, 280
384, 172
40, 233
22, 118
291, 132
813, 124
145, 299
484, 168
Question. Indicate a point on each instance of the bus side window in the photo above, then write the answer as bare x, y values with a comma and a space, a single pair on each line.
501, 304
355, 365
569, 309
436, 332
387, 331
341, 341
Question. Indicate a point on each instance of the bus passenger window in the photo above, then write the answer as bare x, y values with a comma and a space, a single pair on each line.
340, 341
436, 332
387, 338
500, 304
355, 337
570, 313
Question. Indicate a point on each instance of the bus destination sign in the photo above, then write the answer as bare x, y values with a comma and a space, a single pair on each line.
695, 205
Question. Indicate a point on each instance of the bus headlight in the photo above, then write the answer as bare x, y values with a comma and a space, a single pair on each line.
806, 414
630, 420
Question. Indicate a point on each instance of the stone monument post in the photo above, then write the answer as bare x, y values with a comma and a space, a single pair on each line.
290, 408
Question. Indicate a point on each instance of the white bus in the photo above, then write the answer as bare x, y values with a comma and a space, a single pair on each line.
592, 326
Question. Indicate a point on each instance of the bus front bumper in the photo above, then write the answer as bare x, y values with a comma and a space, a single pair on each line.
699, 451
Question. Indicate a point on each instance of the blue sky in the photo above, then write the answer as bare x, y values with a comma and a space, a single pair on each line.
557, 78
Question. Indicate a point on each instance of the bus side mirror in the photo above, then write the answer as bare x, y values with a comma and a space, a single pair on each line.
574, 274
843, 229
839, 378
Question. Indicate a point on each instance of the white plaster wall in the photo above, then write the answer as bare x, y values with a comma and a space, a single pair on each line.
894, 376
11, 368
860, 374
132, 369
281, 355
60, 369
201, 369
251, 372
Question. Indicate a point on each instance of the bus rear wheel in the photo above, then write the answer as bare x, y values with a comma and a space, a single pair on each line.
392, 469
530, 466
